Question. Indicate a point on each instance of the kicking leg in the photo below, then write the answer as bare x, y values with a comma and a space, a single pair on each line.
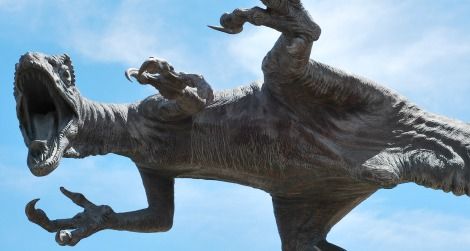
290, 56
157, 217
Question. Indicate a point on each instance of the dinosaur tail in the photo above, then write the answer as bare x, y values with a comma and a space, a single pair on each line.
434, 151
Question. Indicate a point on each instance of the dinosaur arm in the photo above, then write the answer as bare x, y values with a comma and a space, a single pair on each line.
184, 94
157, 217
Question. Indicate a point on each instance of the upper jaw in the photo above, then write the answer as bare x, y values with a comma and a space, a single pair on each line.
48, 118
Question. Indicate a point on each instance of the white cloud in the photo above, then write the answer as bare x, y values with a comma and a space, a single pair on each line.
345, 25
128, 34
364, 37
116, 181
396, 44
249, 48
13, 5
403, 230
368, 38
433, 47
95, 177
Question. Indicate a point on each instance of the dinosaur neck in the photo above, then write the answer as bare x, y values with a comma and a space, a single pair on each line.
103, 129
435, 151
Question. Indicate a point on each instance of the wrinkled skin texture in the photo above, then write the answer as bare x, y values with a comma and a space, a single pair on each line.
318, 140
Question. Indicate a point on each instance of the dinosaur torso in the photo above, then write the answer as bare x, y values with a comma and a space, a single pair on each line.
244, 137
248, 136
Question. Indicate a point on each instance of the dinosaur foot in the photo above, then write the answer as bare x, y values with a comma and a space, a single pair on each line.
93, 219
286, 16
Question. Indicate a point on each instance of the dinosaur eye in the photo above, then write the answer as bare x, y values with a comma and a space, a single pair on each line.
65, 74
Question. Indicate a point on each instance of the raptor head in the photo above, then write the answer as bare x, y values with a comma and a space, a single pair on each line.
47, 106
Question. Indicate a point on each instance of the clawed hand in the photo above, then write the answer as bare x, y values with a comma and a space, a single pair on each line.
159, 74
93, 219
150, 70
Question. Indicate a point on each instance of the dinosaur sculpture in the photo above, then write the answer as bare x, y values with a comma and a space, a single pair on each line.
318, 140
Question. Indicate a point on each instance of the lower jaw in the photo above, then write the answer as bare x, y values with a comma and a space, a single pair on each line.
41, 171
50, 164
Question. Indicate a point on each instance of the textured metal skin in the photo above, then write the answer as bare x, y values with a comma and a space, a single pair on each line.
319, 140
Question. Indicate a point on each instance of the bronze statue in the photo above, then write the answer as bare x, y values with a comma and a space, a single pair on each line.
319, 140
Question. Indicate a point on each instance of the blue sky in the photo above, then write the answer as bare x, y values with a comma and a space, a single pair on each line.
419, 48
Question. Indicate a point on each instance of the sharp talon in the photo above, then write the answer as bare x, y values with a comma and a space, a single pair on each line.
77, 198
226, 30
127, 74
131, 72
30, 209
64, 191
38, 216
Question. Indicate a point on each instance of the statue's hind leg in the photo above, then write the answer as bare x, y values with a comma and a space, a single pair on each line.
285, 66
304, 223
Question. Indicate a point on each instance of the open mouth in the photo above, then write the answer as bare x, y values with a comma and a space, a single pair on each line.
45, 118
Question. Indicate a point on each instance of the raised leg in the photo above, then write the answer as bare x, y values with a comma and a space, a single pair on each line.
157, 217
290, 56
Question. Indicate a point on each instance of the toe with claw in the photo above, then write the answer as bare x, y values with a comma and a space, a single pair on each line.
39, 217
93, 219
286, 16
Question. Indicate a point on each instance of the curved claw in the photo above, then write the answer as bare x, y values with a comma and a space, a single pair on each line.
38, 216
77, 198
33, 214
30, 208
226, 30
131, 72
